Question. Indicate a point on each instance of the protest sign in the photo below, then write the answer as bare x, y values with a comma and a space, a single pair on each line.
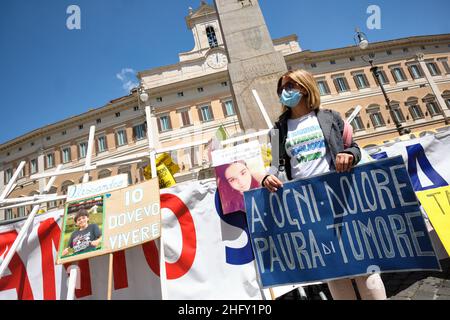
94, 188
238, 169
436, 203
111, 222
339, 225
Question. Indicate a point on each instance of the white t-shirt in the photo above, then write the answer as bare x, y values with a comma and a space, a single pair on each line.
305, 145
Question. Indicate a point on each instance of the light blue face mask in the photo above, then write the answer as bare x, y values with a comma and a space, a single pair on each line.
291, 98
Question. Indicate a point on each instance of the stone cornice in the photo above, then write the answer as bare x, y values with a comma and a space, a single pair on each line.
309, 56
113, 106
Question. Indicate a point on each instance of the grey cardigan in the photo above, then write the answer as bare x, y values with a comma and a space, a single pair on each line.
332, 127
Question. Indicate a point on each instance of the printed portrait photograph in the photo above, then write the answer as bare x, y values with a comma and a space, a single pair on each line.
83, 227
235, 178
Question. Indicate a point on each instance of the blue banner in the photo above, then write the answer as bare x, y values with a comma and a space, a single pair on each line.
339, 225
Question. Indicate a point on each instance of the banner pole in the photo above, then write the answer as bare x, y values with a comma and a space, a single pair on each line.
73, 277
110, 275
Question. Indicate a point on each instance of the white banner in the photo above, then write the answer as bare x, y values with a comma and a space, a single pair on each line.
208, 256
426, 159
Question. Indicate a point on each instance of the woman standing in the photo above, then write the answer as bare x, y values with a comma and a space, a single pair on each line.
311, 143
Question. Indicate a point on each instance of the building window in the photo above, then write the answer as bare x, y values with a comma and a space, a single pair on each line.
8, 214
66, 157
99, 121
117, 114
224, 84
48, 138
159, 99
445, 65
229, 108
121, 137
333, 62
323, 87
8, 175
212, 39
434, 70
80, 127
447, 101
357, 123
313, 65
139, 132
415, 71
180, 94
341, 84
22, 212
206, 114
396, 113
164, 123
136, 108
50, 160
200, 89
105, 173
389, 52
101, 144
64, 133
433, 109
361, 81
416, 112
376, 117
185, 118
82, 147
352, 59
33, 166
382, 77
398, 74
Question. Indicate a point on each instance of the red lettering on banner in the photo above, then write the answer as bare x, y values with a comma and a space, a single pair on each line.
189, 240
120, 270
49, 235
18, 279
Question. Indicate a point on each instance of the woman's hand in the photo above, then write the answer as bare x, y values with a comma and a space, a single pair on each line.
344, 162
272, 183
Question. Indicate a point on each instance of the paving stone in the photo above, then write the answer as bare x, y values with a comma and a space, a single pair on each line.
423, 295
428, 288
443, 298
444, 291
445, 283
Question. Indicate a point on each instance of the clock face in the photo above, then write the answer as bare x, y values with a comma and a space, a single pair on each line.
217, 60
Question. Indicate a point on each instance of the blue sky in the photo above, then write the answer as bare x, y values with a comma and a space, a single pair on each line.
50, 73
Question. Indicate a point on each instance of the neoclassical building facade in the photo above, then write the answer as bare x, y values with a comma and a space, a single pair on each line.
192, 99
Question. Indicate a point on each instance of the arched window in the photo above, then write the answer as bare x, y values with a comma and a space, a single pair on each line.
105, 173
65, 186
212, 39
357, 123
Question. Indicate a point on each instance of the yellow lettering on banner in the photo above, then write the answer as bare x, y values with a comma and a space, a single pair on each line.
436, 203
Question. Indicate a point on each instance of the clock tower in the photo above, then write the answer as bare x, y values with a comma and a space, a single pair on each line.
208, 41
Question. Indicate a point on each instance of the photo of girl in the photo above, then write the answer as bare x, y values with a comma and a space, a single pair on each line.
233, 180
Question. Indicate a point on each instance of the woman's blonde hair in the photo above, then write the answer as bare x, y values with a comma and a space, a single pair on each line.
305, 80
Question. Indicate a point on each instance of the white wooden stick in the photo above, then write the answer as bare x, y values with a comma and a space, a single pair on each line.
31, 203
354, 114
73, 276
263, 110
15, 246
9, 186
245, 137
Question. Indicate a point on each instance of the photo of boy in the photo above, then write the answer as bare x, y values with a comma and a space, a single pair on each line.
81, 236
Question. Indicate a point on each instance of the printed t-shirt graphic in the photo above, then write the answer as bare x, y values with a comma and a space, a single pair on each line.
80, 240
305, 145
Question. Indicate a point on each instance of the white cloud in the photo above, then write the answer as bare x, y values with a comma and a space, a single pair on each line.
126, 76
